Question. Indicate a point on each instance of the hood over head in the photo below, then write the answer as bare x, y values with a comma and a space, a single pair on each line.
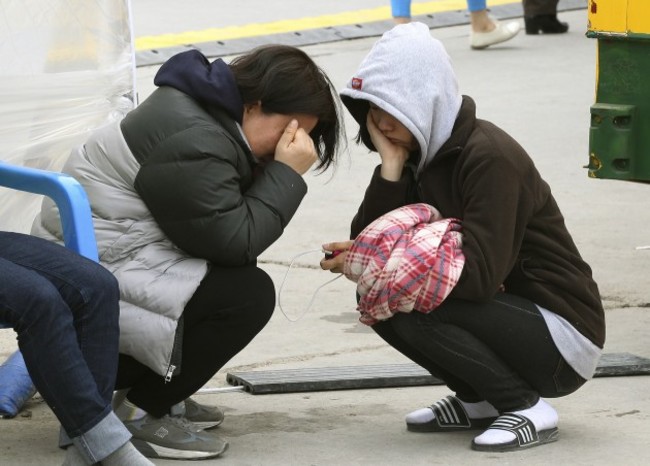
211, 84
408, 74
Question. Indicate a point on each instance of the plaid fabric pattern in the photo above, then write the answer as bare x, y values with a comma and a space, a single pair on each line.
409, 258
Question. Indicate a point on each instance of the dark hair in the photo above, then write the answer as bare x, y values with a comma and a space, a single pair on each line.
286, 80
359, 109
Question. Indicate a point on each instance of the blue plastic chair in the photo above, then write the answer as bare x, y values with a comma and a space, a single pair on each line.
78, 235
69, 196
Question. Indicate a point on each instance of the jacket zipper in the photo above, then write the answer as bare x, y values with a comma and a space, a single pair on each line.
175, 358
170, 372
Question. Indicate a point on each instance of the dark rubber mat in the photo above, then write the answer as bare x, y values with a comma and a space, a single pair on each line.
390, 375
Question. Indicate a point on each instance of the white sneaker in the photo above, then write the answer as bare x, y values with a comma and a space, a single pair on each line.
501, 33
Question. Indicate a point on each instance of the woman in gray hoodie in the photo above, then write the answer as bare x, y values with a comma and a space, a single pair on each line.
525, 319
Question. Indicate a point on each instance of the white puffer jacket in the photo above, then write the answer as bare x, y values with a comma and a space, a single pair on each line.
174, 187
156, 278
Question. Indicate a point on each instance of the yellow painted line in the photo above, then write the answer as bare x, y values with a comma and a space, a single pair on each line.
301, 24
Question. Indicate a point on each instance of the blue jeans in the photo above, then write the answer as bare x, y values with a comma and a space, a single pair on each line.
402, 8
65, 310
476, 5
500, 351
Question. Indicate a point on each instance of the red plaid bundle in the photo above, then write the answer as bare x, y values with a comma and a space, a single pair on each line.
407, 259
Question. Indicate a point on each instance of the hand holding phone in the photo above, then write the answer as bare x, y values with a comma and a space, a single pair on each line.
332, 251
331, 254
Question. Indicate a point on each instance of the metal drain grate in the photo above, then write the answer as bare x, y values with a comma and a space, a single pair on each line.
391, 375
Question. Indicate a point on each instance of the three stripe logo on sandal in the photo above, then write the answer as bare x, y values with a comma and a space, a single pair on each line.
520, 426
447, 412
450, 413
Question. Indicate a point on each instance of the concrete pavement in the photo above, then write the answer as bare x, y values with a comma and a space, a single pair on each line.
539, 89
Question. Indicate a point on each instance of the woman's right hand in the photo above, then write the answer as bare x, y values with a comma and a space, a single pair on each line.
296, 148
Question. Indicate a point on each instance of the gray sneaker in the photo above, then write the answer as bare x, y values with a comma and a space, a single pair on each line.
173, 437
202, 416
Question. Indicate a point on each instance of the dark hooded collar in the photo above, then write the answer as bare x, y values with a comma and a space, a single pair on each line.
211, 84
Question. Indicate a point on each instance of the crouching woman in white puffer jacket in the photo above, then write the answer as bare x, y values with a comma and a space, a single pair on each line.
186, 192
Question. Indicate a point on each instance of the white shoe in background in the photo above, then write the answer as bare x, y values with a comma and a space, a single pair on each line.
501, 33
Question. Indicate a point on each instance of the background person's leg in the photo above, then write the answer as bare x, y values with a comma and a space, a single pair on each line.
476, 5
539, 7
65, 310
484, 29
401, 10
541, 16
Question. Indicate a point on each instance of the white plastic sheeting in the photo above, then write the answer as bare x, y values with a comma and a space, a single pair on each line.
66, 67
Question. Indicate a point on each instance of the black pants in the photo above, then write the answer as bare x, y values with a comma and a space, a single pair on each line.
500, 351
229, 308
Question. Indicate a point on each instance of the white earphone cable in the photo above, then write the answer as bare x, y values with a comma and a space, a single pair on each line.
313, 296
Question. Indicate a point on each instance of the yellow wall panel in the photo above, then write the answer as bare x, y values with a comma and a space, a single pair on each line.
619, 16
638, 16
609, 15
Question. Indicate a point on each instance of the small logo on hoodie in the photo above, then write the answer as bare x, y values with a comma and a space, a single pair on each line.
357, 83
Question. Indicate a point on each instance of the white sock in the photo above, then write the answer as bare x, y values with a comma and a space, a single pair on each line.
479, 410
420, 416
542, 415
73, 457
126, 455
127, 411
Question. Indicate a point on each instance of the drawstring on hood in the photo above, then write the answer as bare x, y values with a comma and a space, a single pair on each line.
408, 74
211, 84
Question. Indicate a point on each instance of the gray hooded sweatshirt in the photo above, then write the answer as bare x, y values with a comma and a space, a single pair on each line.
437, 93
546, 268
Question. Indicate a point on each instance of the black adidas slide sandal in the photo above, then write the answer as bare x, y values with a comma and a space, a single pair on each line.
524, 430
449, 416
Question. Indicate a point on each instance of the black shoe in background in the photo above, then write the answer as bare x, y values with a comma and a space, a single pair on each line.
546, 24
